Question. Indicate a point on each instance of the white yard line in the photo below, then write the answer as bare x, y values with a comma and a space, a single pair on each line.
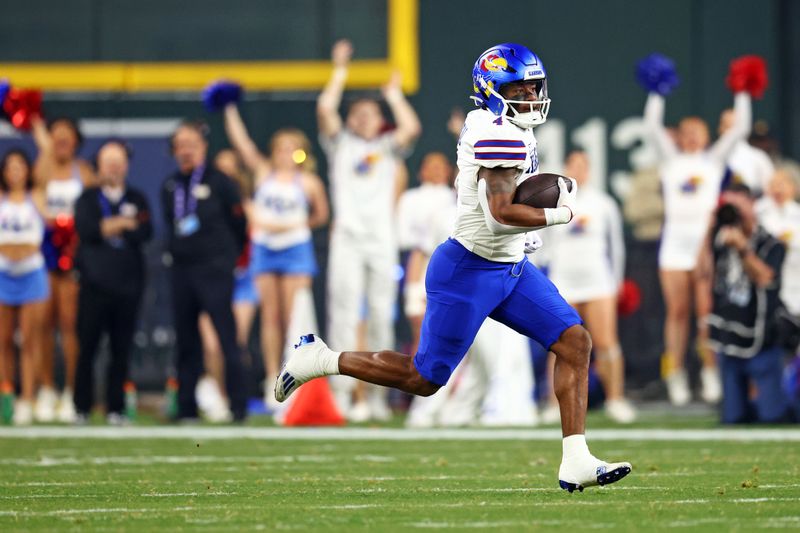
137, 460
388, 434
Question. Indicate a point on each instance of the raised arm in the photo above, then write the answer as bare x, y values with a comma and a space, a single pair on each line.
253, 159
44, 165
742, 119
408, 125
496, 187
330, 123
654, 125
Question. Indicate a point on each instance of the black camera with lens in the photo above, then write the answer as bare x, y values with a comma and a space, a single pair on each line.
728, 215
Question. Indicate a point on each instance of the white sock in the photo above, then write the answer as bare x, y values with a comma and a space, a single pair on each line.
574, 447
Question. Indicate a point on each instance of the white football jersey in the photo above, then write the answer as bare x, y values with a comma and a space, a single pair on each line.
783, 223
490, 141
417, 210
362, 177
586, 258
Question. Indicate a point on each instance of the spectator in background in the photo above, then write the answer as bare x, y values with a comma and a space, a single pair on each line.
289, 201
210, 397
417, 212
113, 222
586, 261
64, 176
691, 174
746, 163
362, 162
747, 264
24, 286
779, 213
206, 230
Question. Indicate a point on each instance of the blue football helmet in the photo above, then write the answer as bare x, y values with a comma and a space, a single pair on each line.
506, 63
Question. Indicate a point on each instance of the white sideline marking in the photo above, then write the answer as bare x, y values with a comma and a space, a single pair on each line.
173, 460
391, 434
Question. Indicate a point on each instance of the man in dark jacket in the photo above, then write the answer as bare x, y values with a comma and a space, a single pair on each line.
747, 281
206, 232
113, 223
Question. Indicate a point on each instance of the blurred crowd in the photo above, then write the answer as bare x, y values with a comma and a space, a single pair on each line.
239, 248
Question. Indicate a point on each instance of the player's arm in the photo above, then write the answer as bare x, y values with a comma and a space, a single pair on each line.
400, 180
241, 141
408, 125
496, 187
330, 123
742, 119
414, 285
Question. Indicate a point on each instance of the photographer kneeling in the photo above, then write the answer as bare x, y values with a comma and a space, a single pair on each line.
746, 282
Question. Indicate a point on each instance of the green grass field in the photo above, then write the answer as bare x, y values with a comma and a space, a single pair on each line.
213, 479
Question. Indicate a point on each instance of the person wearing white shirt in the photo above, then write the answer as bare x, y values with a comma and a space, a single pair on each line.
363, 161
746, 163
779, 213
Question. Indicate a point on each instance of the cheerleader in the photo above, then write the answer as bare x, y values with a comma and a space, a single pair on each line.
587, 264
289, 201
24, 287
691, 171
63, 177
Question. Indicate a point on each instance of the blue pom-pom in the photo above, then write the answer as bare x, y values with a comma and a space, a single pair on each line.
656, 73
221, 93
4, 88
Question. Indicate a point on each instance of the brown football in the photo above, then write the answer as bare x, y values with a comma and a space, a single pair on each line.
540, 190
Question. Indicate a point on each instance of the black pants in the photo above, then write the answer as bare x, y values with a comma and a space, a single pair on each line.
206, 288
100, 311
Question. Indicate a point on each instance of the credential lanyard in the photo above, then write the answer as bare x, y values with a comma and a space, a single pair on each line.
185, 201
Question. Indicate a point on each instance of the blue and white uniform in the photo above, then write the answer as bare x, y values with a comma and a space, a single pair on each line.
586, 258
286, 252
25, 280
477, 274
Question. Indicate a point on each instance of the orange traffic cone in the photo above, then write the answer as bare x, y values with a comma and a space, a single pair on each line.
313, 405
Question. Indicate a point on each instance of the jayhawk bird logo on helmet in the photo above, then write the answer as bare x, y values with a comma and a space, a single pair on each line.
507, 63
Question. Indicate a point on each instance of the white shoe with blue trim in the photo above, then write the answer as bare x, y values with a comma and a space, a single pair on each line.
575, 475
311, 359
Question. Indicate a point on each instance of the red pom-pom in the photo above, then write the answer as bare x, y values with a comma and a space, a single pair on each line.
629, 299
748, 73
21, 106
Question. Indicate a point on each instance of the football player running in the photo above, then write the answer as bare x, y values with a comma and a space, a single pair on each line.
482, 271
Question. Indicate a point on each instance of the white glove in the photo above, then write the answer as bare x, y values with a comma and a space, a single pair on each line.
565, 206
532, 242
567, 198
